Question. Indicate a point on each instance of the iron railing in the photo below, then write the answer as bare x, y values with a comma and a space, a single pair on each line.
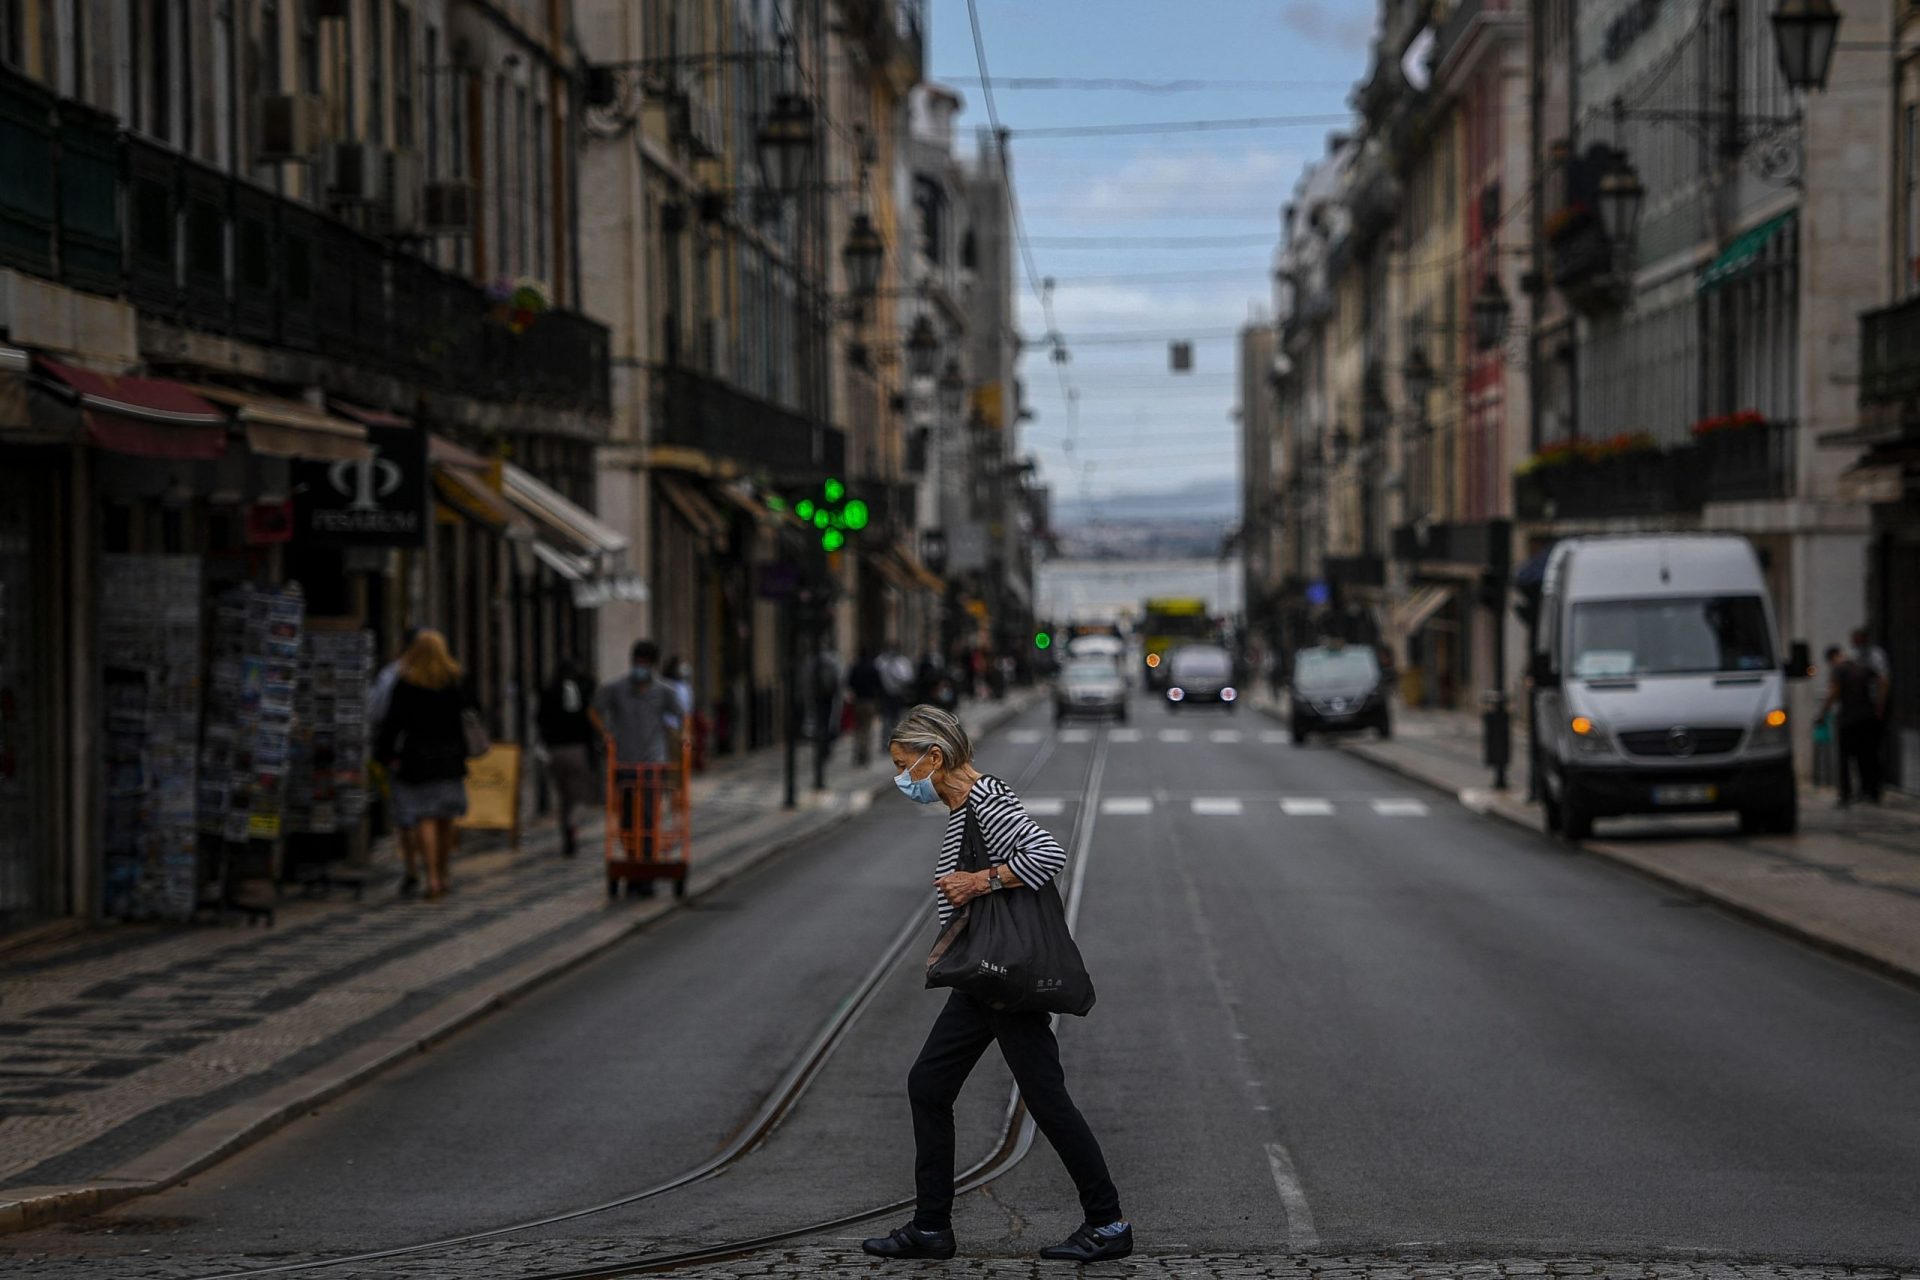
1890, 354
1749, 464
699, 412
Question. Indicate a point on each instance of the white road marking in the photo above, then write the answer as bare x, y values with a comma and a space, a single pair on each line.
1126, 806
1302, 807
1126, 735
1476, 799
1400, 808
1293, 1198
1176, 735
1217, 806
1024, 736
1275, 737
1076, 735
1224, 735
1045, 806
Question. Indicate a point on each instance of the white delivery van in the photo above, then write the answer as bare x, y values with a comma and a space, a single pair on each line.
1657, 684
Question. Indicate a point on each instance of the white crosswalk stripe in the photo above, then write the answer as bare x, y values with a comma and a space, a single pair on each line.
1224, 735
1126, 806
1045, 806
1076, 735
1023, 736
1306, 807
1125, 735
1400, 808
1217, 806
1275, 736
1176, 735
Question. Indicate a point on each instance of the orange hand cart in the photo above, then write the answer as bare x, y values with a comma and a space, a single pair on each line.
649, 823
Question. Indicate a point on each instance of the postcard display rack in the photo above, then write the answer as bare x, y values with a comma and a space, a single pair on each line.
248, 747
149, 632
328, 795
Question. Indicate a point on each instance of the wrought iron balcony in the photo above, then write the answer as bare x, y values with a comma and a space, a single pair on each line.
715, 417
1356, 571
1753, 463
1442, 543
1890, 355
1643, 483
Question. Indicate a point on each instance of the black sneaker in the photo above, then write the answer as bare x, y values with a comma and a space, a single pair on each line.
1092, 1244
911, 1242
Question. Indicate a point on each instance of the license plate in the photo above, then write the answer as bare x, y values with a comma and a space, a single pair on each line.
1695, 794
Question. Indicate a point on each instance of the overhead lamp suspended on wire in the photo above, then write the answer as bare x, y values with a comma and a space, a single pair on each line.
923, 348
865, 256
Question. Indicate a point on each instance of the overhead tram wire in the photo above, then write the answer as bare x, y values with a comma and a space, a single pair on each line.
1124, 84
1121, 130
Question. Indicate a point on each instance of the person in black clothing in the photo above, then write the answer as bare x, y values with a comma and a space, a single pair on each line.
1860, 694
863, 682
569, 735
424, 746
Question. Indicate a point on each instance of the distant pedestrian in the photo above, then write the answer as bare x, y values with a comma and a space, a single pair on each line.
423, 742
896, 687
678, 676
639, 716
567, 732
865, 688
1871, 655
379, 698
1858, 695
934, 755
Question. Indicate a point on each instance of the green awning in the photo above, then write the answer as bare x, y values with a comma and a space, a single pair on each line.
1742, 252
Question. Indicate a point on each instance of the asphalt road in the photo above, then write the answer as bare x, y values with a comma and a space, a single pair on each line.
1337, 1013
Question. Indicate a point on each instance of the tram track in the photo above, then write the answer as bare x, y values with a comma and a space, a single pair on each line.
1016, 1138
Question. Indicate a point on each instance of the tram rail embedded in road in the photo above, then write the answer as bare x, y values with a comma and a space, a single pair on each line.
1015, 1140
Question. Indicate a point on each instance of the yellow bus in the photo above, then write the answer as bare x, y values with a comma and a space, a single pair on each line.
1167, 623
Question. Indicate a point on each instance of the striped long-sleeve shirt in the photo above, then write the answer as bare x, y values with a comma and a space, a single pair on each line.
1013, 839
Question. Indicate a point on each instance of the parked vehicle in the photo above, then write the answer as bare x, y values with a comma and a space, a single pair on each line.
1338, 687
1657, 687
1110, 647
1090, 687
1200, 673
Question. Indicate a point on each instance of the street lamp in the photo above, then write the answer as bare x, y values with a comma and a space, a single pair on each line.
953, 389
923, 348
1622, 196
1491, 314
786, 142
865, 254
1803, 35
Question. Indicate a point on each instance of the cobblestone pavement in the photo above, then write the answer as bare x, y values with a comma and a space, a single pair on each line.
527, 1260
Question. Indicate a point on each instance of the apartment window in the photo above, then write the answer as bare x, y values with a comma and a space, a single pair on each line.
502, 188
541, 232
309, 46
403, 76
523, 178
376, 76
432, 73
268, 54
1910, 201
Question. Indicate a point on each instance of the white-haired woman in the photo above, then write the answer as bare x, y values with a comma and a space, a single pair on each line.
931, 750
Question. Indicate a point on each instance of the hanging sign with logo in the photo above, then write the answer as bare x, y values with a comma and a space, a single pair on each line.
376, 501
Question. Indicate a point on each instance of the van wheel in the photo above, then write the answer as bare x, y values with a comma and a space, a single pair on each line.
1384, 728
1552, 811
1576, 815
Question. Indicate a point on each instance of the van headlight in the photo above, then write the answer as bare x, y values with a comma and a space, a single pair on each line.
1770, 730
1590, 737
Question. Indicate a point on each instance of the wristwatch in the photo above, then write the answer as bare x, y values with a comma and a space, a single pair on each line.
993, 880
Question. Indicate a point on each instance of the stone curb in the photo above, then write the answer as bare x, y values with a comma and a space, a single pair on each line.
1521, 815
213, 1138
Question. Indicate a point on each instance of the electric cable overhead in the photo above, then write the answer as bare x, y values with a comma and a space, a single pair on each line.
1182, 126
1124, 84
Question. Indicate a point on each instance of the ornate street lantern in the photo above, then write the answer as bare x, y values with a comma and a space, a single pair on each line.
1491, 314
923, 348
1621, 198
786, 142
1803, 35
865, 254
1419, 378
953, 390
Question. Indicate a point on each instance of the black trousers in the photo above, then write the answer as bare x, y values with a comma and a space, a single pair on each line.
960, 1035
1860, 748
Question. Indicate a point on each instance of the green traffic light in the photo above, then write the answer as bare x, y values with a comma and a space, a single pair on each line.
855, 513
835, 491
1042, 641
821, 519
833, 539
804, 509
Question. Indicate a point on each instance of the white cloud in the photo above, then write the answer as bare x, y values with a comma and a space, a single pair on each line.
1168, 181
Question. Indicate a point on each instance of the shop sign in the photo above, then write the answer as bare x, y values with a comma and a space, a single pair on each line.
623, 588
376, 501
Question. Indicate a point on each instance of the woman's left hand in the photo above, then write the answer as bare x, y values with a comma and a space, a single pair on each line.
962, 887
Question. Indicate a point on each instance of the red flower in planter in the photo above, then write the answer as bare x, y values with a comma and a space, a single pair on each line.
1730, 422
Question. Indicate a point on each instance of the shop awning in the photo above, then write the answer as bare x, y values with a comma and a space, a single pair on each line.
888, 566
464, 481
738, 495
289, 429
146, 417
568, 526
701, 515
572, 568
1742, 252
927, 578
367, 417
1418, 609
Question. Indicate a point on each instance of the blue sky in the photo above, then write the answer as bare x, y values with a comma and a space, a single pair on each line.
1108, 215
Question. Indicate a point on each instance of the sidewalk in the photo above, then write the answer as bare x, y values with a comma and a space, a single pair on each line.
1848, 882
133, 1056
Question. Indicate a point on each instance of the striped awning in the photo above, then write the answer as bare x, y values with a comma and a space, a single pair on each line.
1743, 252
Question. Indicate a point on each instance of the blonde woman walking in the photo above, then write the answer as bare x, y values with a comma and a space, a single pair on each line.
424, 746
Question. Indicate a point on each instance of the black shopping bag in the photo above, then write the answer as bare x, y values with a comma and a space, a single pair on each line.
1010, 950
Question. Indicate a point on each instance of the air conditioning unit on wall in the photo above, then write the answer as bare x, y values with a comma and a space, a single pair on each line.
289, 126
447, 208
356, 174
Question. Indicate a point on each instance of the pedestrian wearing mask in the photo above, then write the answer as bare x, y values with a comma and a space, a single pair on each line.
639, 716
934, 756
424, 743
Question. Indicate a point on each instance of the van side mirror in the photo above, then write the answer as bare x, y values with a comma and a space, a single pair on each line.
1540, 671
1799, 665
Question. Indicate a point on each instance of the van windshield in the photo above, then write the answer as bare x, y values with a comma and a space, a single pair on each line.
1670, 637
1335, 668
